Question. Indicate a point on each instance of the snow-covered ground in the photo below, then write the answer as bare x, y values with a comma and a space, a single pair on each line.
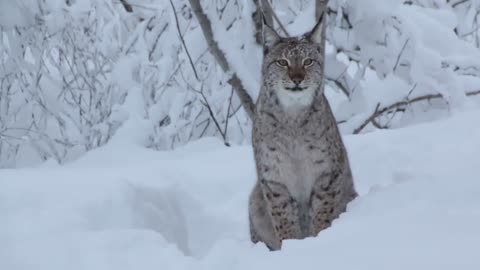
124, 207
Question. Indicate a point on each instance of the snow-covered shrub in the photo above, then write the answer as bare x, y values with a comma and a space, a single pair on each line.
60, 96
75, 74
421, 62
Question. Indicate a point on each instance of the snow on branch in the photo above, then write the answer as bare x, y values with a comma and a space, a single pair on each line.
219, 55
76, 74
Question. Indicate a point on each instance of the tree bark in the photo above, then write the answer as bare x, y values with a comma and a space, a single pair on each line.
258, 19
215, 50
320, 7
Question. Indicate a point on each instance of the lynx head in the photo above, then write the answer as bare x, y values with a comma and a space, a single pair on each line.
293, 66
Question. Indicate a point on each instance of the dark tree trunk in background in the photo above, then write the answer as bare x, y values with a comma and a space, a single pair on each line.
261, 7
320, 7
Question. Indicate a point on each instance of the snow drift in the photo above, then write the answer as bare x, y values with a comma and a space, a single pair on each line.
125, 207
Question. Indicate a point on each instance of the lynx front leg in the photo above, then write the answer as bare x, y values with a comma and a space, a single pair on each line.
261, 228
324, 202
283, 210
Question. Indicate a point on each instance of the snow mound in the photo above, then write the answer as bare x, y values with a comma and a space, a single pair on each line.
131, 208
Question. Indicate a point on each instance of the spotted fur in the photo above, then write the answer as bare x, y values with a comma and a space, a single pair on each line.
304, 178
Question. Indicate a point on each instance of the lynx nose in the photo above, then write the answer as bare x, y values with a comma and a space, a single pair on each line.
297, 76
297, 80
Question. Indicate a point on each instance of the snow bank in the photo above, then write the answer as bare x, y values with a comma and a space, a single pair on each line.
131, 208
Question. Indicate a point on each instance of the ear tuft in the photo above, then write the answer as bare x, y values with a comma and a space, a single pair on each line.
270, 36
317, 33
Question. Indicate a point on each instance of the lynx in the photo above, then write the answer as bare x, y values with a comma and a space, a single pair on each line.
304, 177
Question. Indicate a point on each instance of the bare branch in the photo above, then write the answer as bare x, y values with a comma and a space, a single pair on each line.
400, 106
230, 99
400, 55
267, 8
459, 3
258, 17
155, 44
320, 8
183, 41
127, 6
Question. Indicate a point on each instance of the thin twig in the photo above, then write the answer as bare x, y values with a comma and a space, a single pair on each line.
154, 47
400, 55
459, 3
212, 115
127, 6
183, 41
272, 11
230, 99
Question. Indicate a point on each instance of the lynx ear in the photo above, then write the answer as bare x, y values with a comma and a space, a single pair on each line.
317, 33
270, 36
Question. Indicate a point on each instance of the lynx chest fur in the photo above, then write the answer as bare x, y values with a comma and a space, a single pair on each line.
304, 180
294, 146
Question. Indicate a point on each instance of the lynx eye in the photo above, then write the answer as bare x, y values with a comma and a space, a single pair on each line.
282, 62
307, 62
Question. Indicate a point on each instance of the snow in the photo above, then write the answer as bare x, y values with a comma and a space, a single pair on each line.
15, 14
122, 206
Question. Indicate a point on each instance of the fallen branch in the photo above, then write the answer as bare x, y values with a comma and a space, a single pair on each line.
400, 106
234, 80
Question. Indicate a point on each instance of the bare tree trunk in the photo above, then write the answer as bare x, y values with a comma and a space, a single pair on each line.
258, 20
234, 80
321, 14
320, 7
